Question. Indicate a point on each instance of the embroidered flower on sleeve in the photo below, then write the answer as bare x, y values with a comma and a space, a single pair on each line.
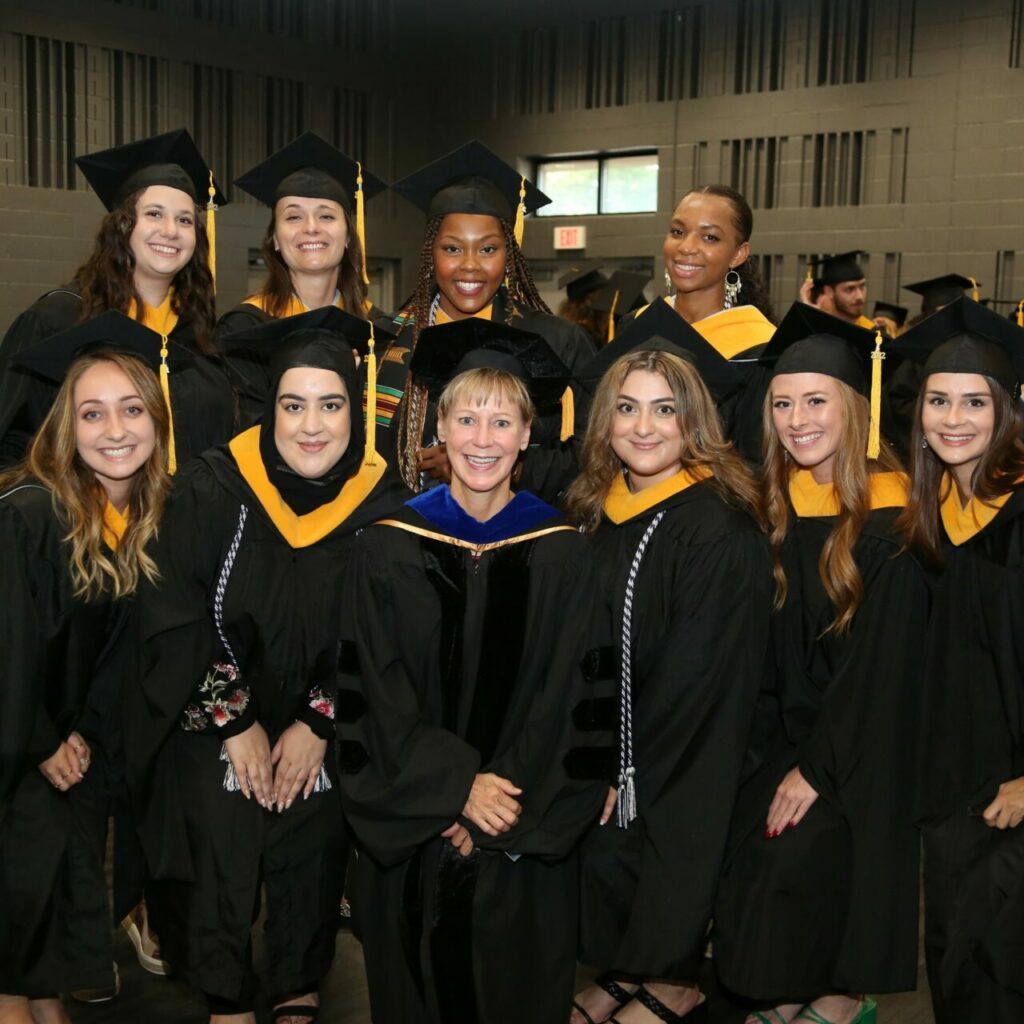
217, 700
321, 703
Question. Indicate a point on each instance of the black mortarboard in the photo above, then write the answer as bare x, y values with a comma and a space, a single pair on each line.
52, 357
470, 179
311, 167
169, 159
262, 342
661, 328
840, 268
446, 350
965, 337
581, 281
898, 314
624, 290
942, 290
809, 340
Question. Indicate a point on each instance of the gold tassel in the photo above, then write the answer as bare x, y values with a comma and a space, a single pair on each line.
974, 288
874, 432
611, 316
568, 415
211, 231
1020, 313
810, 271
520, 213
165, 387
370, 450
361, 221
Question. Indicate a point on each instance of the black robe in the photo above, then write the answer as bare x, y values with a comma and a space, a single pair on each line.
973, 740
700, 627
202, 399
831, 905
465, 662
550, 464
249, 376
208, 849
54, 924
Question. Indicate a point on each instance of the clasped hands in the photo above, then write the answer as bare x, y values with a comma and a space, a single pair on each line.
491, 806
276, 777
67, 767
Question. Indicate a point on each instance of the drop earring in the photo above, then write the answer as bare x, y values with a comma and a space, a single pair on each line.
924, 442
668, 284
733, 286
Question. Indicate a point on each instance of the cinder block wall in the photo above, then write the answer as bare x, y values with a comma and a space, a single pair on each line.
893, 126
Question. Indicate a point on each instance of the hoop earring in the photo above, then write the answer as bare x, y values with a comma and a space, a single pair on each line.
733, 287
668, 284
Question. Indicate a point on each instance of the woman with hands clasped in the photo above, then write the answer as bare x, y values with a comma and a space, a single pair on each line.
229, 730
965, 514
468, 726
818, 900
75, 518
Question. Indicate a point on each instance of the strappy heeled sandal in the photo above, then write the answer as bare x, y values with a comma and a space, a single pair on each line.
606, 982
649, 1001
866, 1015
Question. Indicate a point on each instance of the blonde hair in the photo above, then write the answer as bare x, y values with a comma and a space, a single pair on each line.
79, 501
703, 446
476, 387
837, 567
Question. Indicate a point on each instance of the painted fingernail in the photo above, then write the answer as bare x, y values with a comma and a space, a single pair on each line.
792, 824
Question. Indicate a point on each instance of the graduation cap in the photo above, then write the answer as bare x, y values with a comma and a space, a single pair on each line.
277, 342
170, 159
940, 291
660, 328
53, 356
623, 293
446, 350
472, 179
1016, 314
581, 281
898, 314
965, 337
809, 340
310, 167
839, 269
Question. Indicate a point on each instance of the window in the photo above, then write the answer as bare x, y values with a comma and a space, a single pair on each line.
588, 185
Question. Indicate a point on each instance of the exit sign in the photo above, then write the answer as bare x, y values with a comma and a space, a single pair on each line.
571, 237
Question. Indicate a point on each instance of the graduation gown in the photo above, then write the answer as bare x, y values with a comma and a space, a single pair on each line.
550, 464
467, 656
54, 923
972, 741
202, 400
208, 849
831, 905
700, 608
249, 376
739, 334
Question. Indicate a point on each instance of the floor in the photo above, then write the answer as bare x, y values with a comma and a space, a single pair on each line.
146, 999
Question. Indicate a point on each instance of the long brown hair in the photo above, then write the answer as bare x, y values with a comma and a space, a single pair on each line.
80, 501
999, 467
837, 567
522, 294
753, 292
277, 289
106, 279
703, 446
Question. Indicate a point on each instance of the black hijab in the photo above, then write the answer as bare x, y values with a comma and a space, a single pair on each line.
324, 350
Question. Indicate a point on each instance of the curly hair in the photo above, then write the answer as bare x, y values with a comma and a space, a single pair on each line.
999, 467
703, 445
277, 288
106, 279
522, 294
78, 499
850, 477
753, 290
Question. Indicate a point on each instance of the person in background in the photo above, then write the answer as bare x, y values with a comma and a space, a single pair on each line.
313, 248
581, 284
889, 318
841, 286
76, 518
152, 262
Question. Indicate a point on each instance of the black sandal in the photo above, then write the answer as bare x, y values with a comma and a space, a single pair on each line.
649, 1001
606, 982
306, 1010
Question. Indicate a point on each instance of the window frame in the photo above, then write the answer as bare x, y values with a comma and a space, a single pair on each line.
602, 158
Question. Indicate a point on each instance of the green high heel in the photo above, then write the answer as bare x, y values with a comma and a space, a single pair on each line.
761, 1016
868, 1014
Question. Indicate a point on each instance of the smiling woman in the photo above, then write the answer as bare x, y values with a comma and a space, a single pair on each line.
151, 261
75, 519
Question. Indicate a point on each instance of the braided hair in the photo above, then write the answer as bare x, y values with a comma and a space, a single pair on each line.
522, 294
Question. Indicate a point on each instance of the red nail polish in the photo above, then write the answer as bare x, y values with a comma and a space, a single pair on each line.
792, 824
